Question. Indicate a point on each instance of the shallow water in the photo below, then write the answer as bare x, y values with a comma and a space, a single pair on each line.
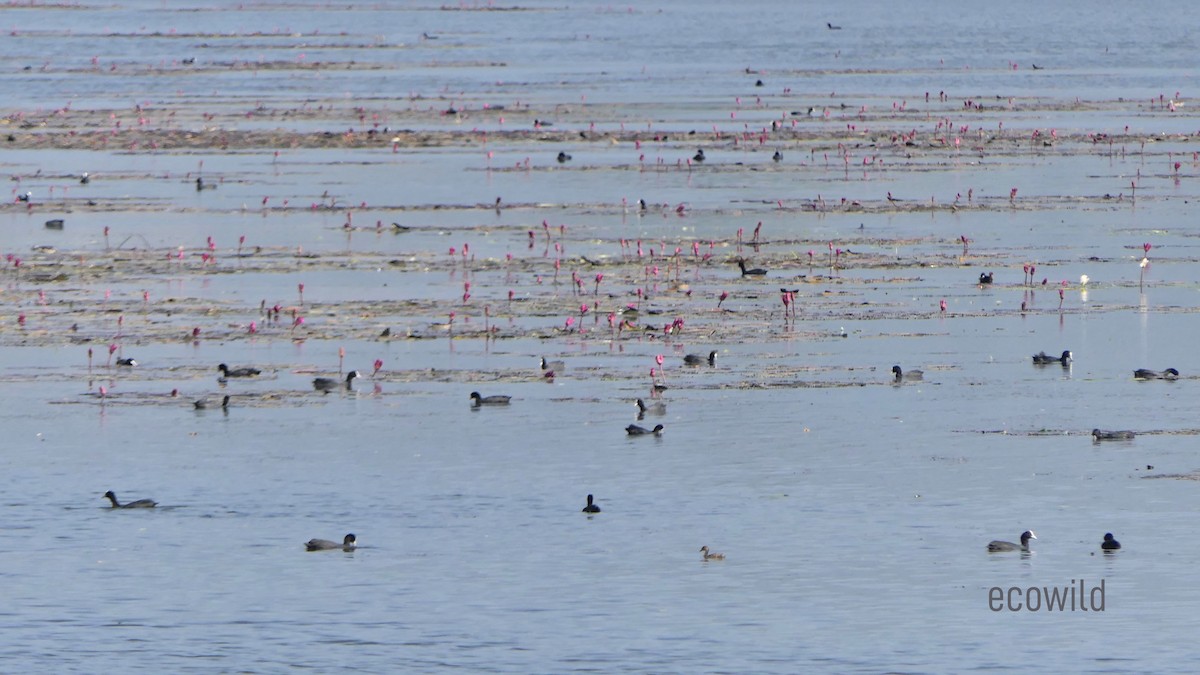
854, 512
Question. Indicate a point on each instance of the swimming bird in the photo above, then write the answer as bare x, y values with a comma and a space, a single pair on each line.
756, 272
696, 359
1042, 358
778, 156
139, 504
1109, 543
237, 372
563, 158
985, 278
202, 404
699, 156
348, 544
635, 430
832, 27
591, 508
129, 363
911, 376
477, 400
998, 546
709, 555
1102, 435
556, 366
658, 408
25, 197
54, 224
1143, 374
85, 179
328, 384
201, 185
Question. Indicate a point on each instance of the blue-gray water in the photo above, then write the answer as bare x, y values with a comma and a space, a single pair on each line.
854, 514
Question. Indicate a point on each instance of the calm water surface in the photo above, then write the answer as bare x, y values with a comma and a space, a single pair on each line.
854, 513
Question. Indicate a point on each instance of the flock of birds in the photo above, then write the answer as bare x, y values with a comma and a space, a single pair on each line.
706, 554
1109, 544
324, 385
549, 368
349, 542
1064, 360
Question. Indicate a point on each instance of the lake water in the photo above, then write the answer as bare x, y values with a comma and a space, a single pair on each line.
853, 512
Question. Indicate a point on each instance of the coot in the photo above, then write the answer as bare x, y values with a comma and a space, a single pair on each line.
756, 272
911, 376
238, 372
658, 408
202, 404
1042, 358
328, 384
1001, 546
696, 359
139, 504
347, 544
1102, 435
477, 400
1144, 374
